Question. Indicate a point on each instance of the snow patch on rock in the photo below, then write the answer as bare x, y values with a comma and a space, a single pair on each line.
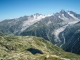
72, 15
49, 22
63, 17
33, 20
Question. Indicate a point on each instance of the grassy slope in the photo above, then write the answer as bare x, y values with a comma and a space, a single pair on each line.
15, 48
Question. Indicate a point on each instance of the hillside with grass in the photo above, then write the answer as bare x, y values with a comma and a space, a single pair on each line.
31, 48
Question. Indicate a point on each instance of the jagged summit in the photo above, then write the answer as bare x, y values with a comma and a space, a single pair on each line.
72, 12
37, 14
62, 11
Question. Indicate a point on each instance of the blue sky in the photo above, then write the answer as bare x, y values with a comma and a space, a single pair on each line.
17, 8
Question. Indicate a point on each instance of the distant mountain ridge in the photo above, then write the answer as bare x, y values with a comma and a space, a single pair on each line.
59, 28
20, 24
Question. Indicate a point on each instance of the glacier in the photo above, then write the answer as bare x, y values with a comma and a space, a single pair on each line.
61, 29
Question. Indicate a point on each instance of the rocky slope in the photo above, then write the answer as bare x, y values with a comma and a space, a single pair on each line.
31, 48
72, 38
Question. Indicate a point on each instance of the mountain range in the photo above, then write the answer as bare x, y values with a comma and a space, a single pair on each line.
61, 29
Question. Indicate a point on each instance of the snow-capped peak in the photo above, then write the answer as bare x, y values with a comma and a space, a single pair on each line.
62, 11
72, 15
34, 19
